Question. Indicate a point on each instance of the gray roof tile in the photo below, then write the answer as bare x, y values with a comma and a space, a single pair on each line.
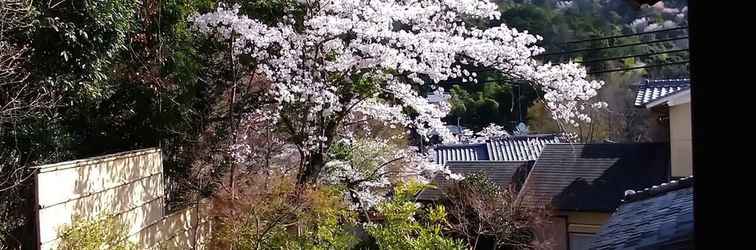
593, 177
510, 148
502, 173
659, 219
652, 90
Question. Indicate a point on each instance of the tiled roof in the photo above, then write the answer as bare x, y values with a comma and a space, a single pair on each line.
460, 152
510, 148
593, 177
503, 173
652, 90
519, 148
657, 218
635, 195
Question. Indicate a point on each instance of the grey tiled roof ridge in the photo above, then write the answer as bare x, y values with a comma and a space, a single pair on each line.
525, 136
660, 189
650, 82
498, 138
459, 145
491, 161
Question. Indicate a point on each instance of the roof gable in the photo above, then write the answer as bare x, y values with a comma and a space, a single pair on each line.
593, 177
502, 173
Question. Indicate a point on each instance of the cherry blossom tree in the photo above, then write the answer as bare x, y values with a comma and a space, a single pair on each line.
340, 62
491, 131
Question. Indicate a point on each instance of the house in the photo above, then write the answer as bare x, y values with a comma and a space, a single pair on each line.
660, 217
510, 148
669, 102
501, 173
583, 184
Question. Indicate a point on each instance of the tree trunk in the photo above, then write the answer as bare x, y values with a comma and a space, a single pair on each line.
311, 171
317, 159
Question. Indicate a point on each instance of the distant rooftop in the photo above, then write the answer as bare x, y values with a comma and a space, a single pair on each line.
509, 148
652, 90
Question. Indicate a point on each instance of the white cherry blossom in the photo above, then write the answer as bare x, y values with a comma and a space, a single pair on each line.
390, 48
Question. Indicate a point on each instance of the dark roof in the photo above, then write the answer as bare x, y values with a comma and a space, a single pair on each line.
510, 148
657, 218
502, 173
593, 177
520, 148
460, 152
652, 90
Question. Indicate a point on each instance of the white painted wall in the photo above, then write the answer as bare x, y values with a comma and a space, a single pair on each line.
681, 145
128, 185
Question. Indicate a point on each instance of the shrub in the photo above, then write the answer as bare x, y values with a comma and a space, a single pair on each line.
401, 230
101, 232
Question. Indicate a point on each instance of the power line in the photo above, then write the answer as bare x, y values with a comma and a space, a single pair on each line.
517, 84
612, 47
502, 81
630, 56
628, 35
639, 67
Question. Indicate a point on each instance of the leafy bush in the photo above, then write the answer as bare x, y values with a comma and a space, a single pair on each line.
101, 232
270, 213
401, 230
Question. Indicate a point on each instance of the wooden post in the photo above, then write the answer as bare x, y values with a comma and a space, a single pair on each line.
35, 214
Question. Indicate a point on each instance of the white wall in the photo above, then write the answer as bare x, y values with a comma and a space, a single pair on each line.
681, 145
128, 185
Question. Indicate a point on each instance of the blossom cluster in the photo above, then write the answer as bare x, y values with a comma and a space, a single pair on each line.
435, 42
315, 66
368, 171
492, 131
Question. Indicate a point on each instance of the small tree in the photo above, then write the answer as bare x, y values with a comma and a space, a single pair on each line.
269, 213
488, 216
401, 230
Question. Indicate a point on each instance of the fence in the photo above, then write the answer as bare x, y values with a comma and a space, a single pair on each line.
129, 185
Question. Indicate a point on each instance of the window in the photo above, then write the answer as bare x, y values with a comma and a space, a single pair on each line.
580, 241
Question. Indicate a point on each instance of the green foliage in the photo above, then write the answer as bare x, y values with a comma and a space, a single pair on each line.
368, 155
327, 224
540, 121
340, 150
76, 43
276, 218
365, 84
400, 229
101, 232
478, 106
479, 183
